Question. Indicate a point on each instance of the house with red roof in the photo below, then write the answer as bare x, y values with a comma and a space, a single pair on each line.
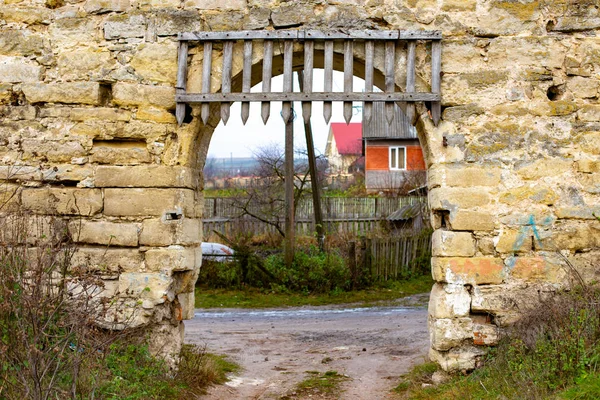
344, 147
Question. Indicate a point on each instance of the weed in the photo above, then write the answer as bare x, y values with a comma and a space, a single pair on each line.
325, 385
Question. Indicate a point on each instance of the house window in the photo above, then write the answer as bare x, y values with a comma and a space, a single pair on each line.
397, 158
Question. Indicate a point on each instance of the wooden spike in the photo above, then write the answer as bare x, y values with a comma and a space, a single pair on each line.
246, 78
206, 70
182, 57
348, 78
390, 49
226, 78
436, 70
286, 111
307, 79
267, 74
328, 64
410, 79
369, 58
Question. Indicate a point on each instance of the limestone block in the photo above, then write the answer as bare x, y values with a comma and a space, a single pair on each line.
18, 69
589, 166
51, 150
536, 215
104, 232
186, 301
20, 173
506, 299
65, 92
154, 287
578, 212
544, 167
99, 113
74, 31
27, 15
229, 21
463, 220
172, 258
258, 18
464, 358
485, 334
148, 202
185, 281
166, 340
473, 176
514, 241
589, 113
447, 198
125, 26
216, 4
160, 232
158, 176
535, 192
10, 197
127, 94
449, 301
573, 236
465, 270
107, 261
171, 21
5, 93
459, 5
540, 268
64, 201
67, 173
583, 88
575, 24
445, 334
94, 63
291, 14
590, 142
21, 42
156, 62
104, 6
452, 244
155, 114
120, 153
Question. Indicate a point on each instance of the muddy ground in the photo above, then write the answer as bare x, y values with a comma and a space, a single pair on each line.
372, 346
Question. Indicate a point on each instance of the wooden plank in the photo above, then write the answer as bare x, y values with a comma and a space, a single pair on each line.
348, 77
410, 78
312, 34
206, 70
315, 96
369, 59
246, 78
266, 77
390, 81
307, 81
226, 80
182, 57
288, 48
328, 65
436, 70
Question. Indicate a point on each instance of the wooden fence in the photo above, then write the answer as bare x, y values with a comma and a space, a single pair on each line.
358, 215
394, 258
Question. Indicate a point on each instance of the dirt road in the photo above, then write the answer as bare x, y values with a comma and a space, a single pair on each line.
372, 346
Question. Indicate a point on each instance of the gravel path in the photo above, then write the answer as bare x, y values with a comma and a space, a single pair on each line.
373, 346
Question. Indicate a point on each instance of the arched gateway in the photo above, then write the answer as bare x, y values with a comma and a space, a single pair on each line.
87, 91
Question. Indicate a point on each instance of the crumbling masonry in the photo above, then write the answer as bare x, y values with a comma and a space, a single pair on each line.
88, 132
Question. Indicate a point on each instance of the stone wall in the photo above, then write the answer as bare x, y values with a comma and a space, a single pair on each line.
88, 133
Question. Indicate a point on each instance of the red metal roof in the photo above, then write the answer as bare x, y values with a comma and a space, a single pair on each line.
348, 138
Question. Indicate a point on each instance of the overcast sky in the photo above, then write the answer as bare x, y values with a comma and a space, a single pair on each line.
238, 140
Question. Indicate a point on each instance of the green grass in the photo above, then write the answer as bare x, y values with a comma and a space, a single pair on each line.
259, 298
323, 385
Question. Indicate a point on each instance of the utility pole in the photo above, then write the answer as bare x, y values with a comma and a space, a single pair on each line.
314, 180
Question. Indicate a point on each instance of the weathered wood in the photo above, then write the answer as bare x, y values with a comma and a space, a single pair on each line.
315, 96
288, 47
226, 79
289, 192
206, 70
313, 34
246, 78
348, 78
182, 56
369, 59
306, 82
410, 79
266, 76
436, 70
390, 82
328, 77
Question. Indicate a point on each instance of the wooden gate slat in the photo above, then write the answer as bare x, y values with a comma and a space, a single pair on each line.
348, 77
308, 79
246, 78
410, 78
288, 47
182, 57
328, 65
436, 70
226, 79
267, 74
206, 71
369, 57
390, 50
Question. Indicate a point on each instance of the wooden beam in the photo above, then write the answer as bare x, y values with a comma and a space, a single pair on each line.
206, 71
246, 78
315, 96
226, 79
436, 71
306, 81
369, 59
182, 56
267, 74
390, 80
328, 77
312, 34
288, 84
410, 79
348, 78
